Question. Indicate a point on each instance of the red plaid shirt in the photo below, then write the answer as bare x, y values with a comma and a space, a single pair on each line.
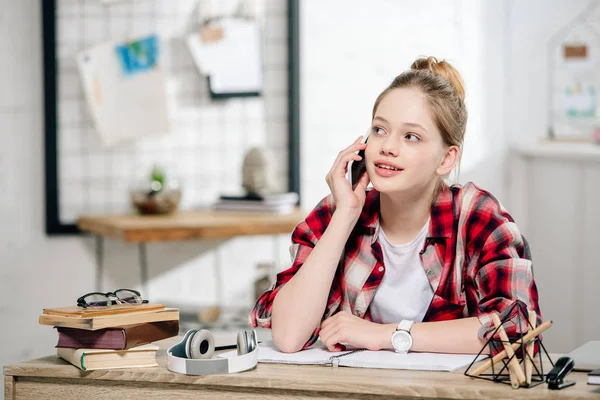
476, 261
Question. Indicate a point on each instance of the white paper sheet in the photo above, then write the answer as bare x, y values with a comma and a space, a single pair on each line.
125, 89
318, 354
414, 361
234, 62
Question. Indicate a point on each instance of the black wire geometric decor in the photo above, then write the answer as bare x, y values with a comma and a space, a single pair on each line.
526, 354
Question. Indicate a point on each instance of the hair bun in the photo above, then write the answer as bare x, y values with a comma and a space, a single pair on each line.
444, 69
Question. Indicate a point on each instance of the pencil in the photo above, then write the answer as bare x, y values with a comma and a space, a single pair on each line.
517, 377
529, 349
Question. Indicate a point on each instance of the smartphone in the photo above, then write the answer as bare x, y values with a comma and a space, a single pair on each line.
357, 168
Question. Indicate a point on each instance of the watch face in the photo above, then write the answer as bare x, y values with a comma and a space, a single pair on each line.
401, 341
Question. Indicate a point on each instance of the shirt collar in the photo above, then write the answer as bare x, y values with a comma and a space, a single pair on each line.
440, 225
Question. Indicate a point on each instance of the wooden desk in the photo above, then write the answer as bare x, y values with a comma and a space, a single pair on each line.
51, 377
209, 224
189, 225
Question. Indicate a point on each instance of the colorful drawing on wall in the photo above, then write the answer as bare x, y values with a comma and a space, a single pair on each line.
138, 56
580, 100
125, 89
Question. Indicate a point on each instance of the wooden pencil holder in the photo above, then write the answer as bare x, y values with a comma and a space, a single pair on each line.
515, 362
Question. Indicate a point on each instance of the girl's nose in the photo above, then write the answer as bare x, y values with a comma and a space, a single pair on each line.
390, 147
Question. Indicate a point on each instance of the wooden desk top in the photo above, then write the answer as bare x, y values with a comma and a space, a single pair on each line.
208, 224
304, 380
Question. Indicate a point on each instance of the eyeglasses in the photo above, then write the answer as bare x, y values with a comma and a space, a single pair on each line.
120, 296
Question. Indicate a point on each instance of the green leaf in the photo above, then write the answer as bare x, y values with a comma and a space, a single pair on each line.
158, 174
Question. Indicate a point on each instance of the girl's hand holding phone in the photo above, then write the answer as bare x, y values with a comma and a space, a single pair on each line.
345, 198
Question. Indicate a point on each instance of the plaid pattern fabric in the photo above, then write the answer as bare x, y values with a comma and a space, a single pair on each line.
476, 261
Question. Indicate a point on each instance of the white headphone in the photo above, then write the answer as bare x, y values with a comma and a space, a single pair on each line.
193, 355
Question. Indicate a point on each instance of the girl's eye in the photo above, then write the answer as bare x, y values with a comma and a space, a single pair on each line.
412, 137
377, 130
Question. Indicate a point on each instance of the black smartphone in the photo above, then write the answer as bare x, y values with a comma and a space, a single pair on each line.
357, 168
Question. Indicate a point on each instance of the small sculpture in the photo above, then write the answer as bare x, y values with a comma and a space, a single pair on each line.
258, 172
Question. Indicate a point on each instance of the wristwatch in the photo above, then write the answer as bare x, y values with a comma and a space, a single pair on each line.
401, 338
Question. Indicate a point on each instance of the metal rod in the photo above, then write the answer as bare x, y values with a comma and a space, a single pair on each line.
276, 257
218, 265
144, 269
99, 261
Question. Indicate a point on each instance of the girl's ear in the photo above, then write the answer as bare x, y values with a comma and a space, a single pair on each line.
449, 161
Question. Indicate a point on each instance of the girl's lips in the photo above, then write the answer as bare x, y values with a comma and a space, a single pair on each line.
386, 173
388, 163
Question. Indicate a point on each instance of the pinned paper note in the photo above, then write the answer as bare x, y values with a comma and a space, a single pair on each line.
228, 51
125, 89
210, 34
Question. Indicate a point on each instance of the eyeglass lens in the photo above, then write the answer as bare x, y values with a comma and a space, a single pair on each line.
128, 296
97, 300
103, 300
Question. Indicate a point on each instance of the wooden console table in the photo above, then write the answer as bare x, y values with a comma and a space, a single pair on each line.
209, 224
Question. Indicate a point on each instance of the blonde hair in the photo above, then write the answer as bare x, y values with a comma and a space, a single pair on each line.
445, 93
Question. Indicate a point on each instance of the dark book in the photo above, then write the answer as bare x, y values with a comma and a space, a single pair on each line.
249, 196
117, 338
271, 199
594, 377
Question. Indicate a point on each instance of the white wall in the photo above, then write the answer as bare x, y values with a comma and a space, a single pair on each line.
347, 63
531, 25
553, 188
563, 226
37, 271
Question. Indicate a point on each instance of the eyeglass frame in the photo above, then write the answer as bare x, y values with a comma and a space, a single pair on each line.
84, 304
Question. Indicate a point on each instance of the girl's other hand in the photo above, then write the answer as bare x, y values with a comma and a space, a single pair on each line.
347, 328
346, 199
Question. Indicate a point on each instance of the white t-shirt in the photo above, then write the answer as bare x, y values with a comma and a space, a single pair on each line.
404, 292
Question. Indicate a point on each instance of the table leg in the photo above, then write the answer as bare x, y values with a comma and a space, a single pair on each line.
9, 387
144, 269
99, 261
219, 275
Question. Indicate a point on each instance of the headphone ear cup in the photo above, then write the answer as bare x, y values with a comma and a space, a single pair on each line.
201, 345
190, 335
252, 340
242, 343
246, 342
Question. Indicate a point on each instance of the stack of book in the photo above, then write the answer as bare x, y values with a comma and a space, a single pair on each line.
281, 203
111, 337
594, 377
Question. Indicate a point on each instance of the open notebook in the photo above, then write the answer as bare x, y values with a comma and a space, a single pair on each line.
319, 355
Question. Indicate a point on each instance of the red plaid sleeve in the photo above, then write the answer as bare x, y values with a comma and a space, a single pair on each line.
304, 238
503, 272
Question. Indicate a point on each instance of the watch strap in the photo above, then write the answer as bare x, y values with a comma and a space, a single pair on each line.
405, 325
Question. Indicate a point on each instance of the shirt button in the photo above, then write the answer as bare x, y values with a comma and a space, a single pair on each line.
381, 269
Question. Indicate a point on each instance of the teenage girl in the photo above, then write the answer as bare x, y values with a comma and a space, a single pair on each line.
413, 264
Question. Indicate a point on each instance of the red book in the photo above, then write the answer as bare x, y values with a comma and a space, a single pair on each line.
117, 338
